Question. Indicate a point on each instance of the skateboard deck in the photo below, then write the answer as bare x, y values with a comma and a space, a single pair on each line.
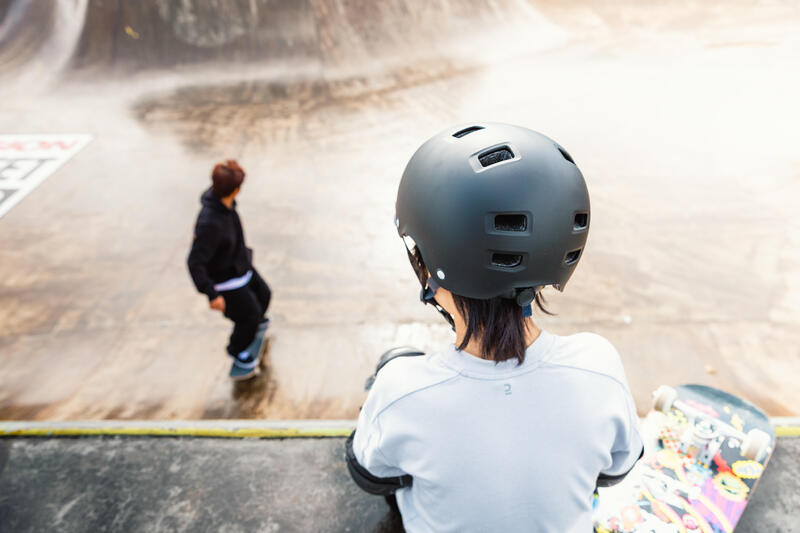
238, 373
705, 451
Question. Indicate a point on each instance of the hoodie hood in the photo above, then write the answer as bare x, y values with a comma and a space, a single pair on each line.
209, 199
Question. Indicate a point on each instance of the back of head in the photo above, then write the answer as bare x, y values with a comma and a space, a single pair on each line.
226, 177
495, 212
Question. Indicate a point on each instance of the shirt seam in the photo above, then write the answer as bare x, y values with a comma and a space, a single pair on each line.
496, 377
377, 415
615, 380
407, 394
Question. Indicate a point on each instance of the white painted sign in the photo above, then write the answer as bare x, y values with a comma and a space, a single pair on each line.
27, 160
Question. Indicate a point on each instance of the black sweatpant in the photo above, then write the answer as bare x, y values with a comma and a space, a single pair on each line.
246, 307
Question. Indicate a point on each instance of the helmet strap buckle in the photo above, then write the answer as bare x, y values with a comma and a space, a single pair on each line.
524, 298
428, 291
427, 295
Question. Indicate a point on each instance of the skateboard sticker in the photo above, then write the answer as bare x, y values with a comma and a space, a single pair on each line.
703, 407
731, 487
737, 422
747, 469
686, 483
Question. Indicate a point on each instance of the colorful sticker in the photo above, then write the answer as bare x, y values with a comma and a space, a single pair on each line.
705, 408
722, 464
747, 469
631, 515
669, 459
737, 422
731, 487
678, 417
697, 474
689, 522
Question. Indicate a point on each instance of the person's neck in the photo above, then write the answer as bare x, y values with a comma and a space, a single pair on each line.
473, 347
227, 201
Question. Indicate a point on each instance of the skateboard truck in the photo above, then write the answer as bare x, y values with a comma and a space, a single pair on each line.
704, 436
701, 441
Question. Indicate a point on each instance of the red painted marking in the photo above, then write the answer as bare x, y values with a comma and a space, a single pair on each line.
23, 146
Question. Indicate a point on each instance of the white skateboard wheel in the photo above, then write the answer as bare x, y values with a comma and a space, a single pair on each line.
663, 398
755, 445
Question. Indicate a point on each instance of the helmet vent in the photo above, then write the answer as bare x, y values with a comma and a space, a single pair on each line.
581, 221
511, 222
466, 131
496, 155
506, 260
572, 257
565, 154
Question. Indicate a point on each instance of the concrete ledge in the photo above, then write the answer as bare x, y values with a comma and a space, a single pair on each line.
138, 483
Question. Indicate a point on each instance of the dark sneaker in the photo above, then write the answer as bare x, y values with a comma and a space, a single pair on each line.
263, 325
244, 366
245, 360
239, 374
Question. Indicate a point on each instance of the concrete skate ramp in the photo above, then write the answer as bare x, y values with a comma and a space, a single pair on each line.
38, 38
682, 117
127, 36
165, 34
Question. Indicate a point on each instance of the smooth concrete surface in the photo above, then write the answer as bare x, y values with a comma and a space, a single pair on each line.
168, 484
231, 485
682, 115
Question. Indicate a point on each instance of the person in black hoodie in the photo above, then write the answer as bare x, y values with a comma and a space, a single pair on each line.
221, 265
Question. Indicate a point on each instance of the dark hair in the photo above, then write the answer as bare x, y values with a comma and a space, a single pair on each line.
497, 322
226, 177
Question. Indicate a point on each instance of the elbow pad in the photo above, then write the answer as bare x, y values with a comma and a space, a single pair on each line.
605, 480
381, 486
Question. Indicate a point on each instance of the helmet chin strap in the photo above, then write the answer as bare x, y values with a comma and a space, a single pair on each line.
524, 299
427, 296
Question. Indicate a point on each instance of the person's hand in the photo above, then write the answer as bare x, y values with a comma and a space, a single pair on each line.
218, 304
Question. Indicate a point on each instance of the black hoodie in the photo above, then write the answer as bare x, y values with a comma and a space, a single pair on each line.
218, 251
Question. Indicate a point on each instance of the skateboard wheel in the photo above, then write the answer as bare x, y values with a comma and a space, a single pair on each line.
663, 398
755, 445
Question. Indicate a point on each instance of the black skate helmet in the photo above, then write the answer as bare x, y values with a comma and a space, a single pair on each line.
495, 210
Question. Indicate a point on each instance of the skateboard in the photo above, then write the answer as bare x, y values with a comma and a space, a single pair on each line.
255, 348
705, 451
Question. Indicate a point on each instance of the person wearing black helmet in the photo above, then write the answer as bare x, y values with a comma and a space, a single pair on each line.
511, 428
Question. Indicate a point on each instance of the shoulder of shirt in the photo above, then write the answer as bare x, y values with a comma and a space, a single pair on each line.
588, 352
404, 376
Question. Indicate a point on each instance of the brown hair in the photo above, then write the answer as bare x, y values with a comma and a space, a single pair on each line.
226, 177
